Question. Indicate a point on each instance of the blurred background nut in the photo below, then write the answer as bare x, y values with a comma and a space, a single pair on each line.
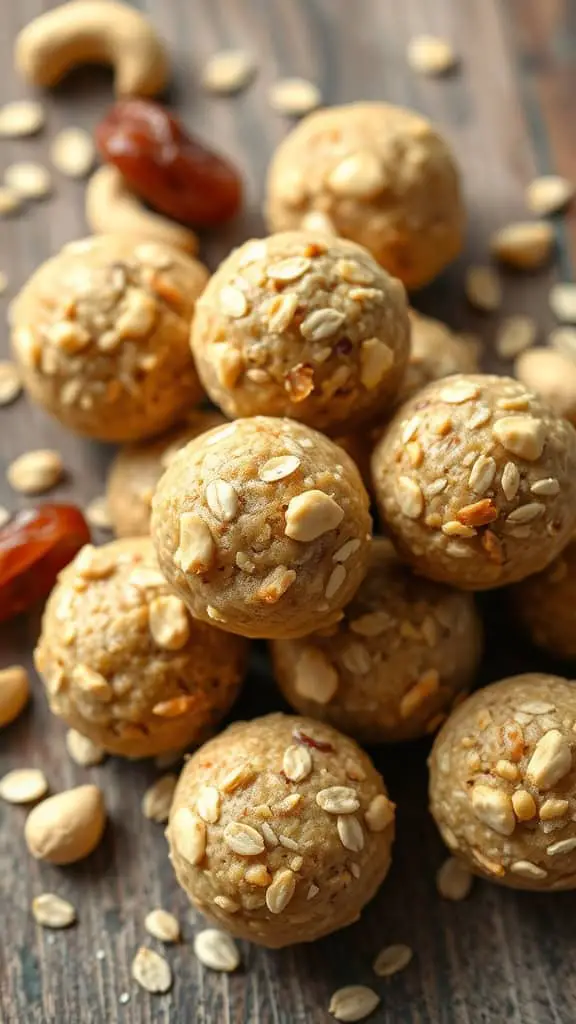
14, 692
93, 32
66, 827
552, 375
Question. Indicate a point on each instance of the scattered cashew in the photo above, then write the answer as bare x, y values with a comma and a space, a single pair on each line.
93, 31
111, 208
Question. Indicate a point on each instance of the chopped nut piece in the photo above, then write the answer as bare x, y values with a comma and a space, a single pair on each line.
197, 550
454, 880
151, 971
563, 302
216, 950
97, 513
316, 678
549, 194
522, 435
157, 799
294, 96
551, 760
410, 497
524, 805
35, 472
430, 55
10, 383
311, 514
525, 246
515, 335
338, 800
82, 750
189, 834
51, 911
483, 289
353, 1003
392, 959
162, 925
23, 786
22, 117
169, 624
281, 891
29, 180
380, 814
208, 804
360, 176
72, 152
493, 808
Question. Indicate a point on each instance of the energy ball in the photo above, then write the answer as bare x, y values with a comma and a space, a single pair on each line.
545, 604
138, 467
280, 830
377, 174
475, 480
503, 782
436, 351
305, 326
405, 650
262, 527
122, 661
100, 333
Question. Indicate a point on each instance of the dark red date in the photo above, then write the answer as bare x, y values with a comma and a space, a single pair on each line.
175, 173
34, 546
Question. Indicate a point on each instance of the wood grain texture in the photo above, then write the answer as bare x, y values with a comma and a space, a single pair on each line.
500, 956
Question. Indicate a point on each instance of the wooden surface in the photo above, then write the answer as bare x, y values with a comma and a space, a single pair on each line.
501, 955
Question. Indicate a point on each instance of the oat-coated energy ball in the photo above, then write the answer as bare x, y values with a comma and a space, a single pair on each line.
302, 325
377, 174
405, 650
503, 782
138, 467
123, 662
281, 830
476, 481
262, 527
546, 605
100, 333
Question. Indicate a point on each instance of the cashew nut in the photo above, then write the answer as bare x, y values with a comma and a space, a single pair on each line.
111, 208
94, 31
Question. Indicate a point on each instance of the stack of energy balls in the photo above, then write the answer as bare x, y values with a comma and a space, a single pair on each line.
330, 388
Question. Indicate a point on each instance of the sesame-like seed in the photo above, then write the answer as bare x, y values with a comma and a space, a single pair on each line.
411, 428
537, 707
547, 488
269, 834
526, 869
278, 468
456, 529
350, 832
162, 925
312, 892
52, 911
282, 312
238, 777
294, 96
526, 513
510, 480
335, 581
479, 417
482, 474
288, 843
228, 71
23, 785
431, 55
562, 846
151, 971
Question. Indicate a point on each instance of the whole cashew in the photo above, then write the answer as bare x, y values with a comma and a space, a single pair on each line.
111, 208
93, 31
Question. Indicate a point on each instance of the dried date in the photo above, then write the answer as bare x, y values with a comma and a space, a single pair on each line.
175, 173
34, 546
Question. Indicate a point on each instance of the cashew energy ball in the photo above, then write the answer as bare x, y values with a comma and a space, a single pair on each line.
377, 174
545, 604
302, 325
280, 830
100, 333
503, 782
138, 467
405, 650
262, 527
475, 480
123, 662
